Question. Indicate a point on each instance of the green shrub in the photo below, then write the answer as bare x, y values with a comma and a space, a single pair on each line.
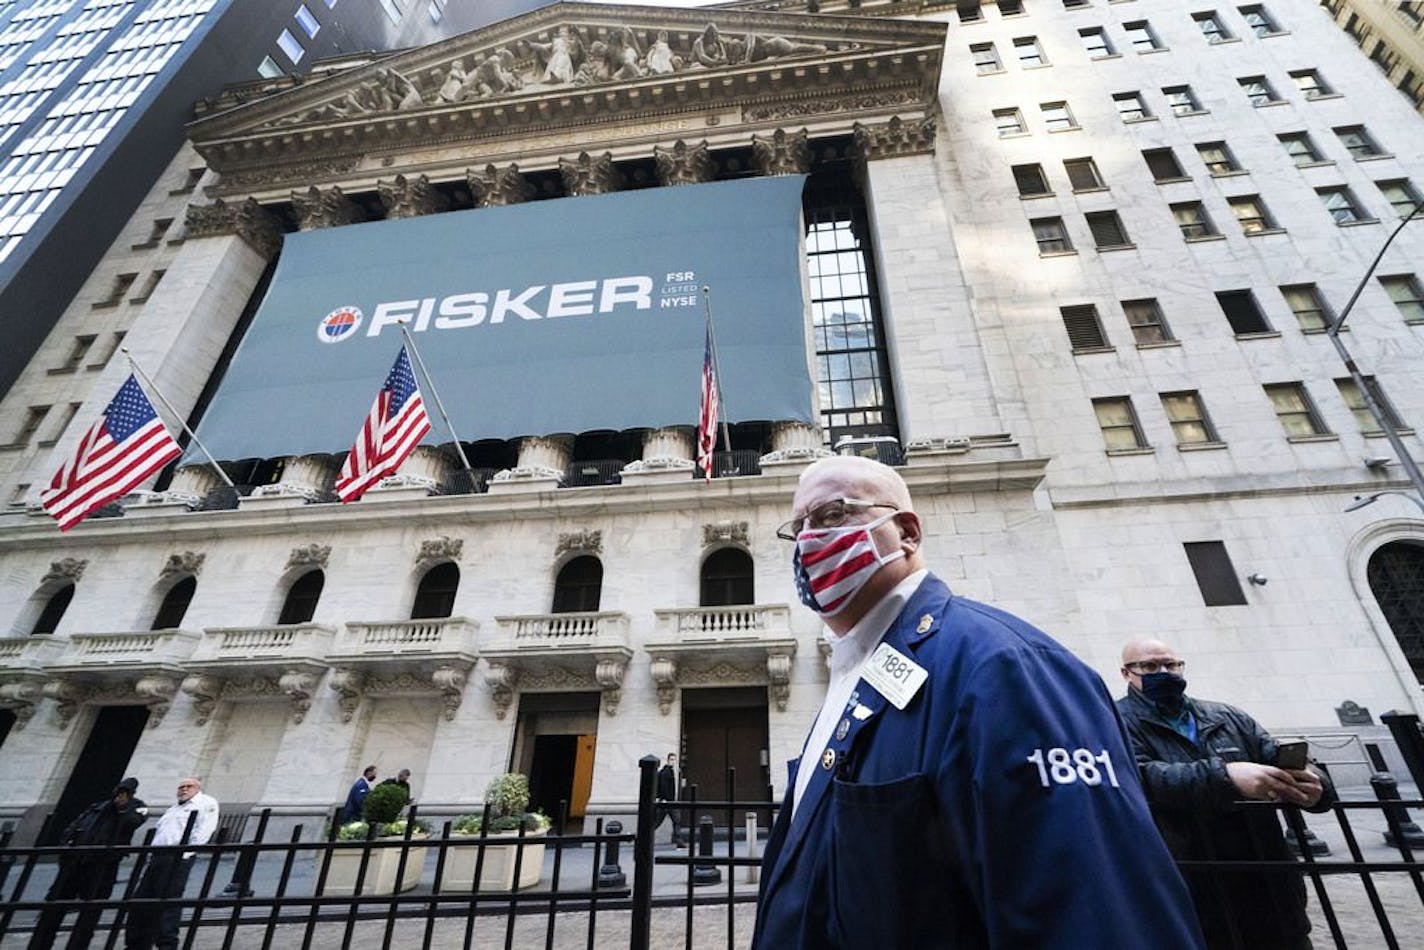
507, 796
467, 825
352, 831
384, 803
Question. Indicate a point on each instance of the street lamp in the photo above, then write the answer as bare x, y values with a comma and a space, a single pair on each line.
1363, 500
1386, 425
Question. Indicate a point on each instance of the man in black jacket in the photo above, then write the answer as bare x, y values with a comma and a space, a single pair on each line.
1198, 761
89, 875
667, 792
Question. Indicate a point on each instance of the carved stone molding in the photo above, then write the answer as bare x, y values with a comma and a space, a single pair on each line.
435, 550
782, 153
664, 672
806, 108
684, 164
205, 692
502, 678
66, 569
297, 172
584, 542
22, 699
309, 555
778, 671
183, 564
348, 684
67, 696
329, 208
590, 175
157, 694
248, 220
895, 138
609, 673
410, 197
726, 532
450, 681
298, 685
496, 187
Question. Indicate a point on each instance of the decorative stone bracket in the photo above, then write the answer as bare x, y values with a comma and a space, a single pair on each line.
609, 672
157, 694
67, 696
670, 671
349, 685
207, 690
778, 671
352, 685
502, 678
309, 555
22, 699
450, 681
204, 691
664, 670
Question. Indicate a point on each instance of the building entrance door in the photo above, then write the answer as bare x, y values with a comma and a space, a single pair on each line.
7, 724
554, 745
722, 729
101, 765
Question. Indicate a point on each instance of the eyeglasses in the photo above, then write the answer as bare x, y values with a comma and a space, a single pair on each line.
1156, 666
188, 785
828, 514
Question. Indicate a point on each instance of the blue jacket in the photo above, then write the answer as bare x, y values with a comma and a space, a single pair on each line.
1000, 808
355, 799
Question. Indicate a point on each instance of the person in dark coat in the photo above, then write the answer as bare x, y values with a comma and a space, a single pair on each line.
357, 796
402, 779
1199, 760
967, 782
90, 875
667, 792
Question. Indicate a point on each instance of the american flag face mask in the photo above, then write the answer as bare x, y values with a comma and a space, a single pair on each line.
831, 564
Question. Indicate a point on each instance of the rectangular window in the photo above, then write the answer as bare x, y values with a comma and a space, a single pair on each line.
1310, 84
1210, 25
1294, 408
1085, 330
1182, 100
1130, 106
77, 352
1241, 312
1350, 393
1009, 122
1357, 141
1258, 90
1401, 195
1405, 291
1259, 20
986, 58
1107, 229
1074, 4
1051, 236
1217, 158
1141, 36
1300, 148
149, 285
1096, 43
121, 286
1146, 320
1308, 306
1011, 7
437, 10
1163, 164
1192, 219
1251, 212
967, 10
1216, 577
289, 45
1030, 54
1030, 180
34, 418
1341, 204
1190, 425
70, 411
306, 21
1057, 117
394, 10
1121, 431
1083, 174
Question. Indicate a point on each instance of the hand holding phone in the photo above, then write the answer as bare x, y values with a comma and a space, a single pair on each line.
1292, 756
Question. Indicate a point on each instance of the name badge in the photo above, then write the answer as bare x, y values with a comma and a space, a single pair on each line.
897, 677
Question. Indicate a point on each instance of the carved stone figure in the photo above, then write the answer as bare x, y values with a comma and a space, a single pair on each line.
661, 59
453, 83
595, 68
623, 54
493, 77
759, 48
709, 49
559, 56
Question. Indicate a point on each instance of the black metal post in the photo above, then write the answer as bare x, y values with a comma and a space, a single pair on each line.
247, 860
640, 926
610, 874
1405, 729
706, 873
1386, 789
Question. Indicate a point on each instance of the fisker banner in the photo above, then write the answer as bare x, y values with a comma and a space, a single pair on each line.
559, 316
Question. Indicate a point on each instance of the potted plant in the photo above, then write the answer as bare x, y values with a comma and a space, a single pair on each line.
381, 812
507, 803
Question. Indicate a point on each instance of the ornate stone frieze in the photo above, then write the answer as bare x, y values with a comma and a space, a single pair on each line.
502, 678
722, 672
247, 220
725, 532
22, 699
496, 187
895, 138
806, 108
553, 679
782, 153
183, 564
584, 542
684, 164
325, 208
66, 569
590, 175
609, 674
309, 555
410, 197
297, 172
205, 692
435, 550
348, 685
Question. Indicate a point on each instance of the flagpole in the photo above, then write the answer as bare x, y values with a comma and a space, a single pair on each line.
716, 369
435, 394
143, 377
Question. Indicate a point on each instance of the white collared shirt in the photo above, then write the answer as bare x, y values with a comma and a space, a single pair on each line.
175, 820
848, 654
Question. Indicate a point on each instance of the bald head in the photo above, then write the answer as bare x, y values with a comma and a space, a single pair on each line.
862, 478
1144, 650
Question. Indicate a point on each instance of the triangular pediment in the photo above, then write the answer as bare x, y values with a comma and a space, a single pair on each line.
573, 64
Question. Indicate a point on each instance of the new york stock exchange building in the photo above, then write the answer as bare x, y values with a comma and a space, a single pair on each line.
555, 588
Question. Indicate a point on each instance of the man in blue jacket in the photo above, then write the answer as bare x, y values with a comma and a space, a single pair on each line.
967, 782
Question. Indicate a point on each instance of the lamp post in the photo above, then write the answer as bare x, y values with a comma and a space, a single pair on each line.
1386, 424
1363, 500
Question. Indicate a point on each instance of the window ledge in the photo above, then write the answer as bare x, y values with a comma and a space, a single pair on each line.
1328, 95
1200, 446
105, 305
92, 367
1015, 135
1202, 238
1089, 191
145, 246
1234, 173
1105, 56
1057, 253
1139, 119
1323, 163
1416, 322
1267, 36
1159, 345
1191, 112
1043, 65
1103, 249
174, 242
47, 443
1356, 224
1223, 42
1317, 437
1069, 128
143, 299
1090, 350
1265, 231
1260, 335
1158, 49
8, 446
1169, 181
1372, 434
1036, 196
1321, 331
1374, 158
991, 72
1267, 105
1140, 450
61, 370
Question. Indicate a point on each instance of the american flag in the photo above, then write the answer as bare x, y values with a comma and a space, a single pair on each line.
126, 446
828, 565
396, 424
707, 421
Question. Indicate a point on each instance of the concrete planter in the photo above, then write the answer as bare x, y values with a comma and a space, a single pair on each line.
345, 865
497, 872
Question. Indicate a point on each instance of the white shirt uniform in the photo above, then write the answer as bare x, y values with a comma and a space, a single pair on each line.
175, 820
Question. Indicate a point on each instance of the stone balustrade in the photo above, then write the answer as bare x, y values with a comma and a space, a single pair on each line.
142, 647
737, 622
564, 629
302, 641
23, 654
437, 635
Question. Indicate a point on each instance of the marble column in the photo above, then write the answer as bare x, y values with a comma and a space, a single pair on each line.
305, 478
543, 459
667, 456
794, 444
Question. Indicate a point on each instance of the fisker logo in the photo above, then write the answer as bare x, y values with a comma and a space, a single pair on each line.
338, 325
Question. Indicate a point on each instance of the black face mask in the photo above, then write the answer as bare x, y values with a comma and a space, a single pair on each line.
1164, 689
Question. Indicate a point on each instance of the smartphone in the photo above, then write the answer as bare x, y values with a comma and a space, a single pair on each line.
1292, 755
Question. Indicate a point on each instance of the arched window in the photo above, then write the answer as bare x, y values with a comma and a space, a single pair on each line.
727, 578
175, 604
579, 585
302, 596
436, 595
1396, 576
54, 609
